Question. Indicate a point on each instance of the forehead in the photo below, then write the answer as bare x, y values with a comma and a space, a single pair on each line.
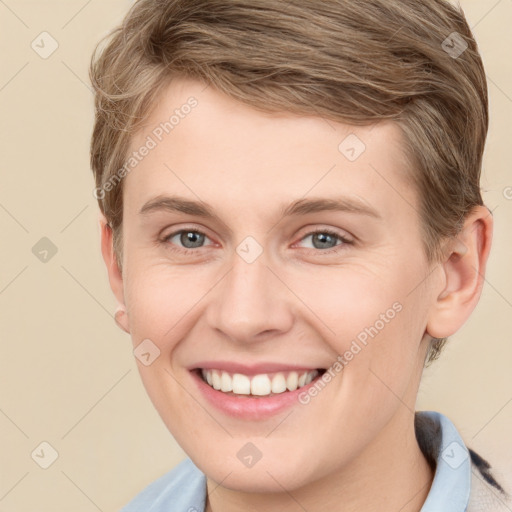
205, 145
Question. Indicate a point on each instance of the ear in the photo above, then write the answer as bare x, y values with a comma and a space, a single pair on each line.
463, 270
114, 274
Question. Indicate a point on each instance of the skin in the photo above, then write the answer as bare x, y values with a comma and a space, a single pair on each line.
353, 446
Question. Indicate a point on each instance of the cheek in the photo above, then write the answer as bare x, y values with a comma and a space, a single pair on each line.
383, 361
375, 324
160, 302
348, 301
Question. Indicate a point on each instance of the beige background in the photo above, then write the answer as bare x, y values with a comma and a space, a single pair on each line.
68, 376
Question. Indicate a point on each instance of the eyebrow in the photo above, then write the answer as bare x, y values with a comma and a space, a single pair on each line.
298, 207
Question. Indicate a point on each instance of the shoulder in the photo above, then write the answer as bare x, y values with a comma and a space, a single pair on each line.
463, 478
487, 494
183, 489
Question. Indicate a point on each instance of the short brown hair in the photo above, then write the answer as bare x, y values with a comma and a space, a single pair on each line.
353, 61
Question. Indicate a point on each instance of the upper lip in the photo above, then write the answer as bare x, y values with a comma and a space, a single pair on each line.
252, 369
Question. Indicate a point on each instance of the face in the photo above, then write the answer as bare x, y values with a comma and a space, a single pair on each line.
262, 251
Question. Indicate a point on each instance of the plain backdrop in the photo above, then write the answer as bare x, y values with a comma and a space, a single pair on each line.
68, 375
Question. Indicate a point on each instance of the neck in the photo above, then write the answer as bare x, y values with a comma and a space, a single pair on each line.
390, 474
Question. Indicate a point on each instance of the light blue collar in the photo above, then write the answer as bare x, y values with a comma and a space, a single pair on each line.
452, 480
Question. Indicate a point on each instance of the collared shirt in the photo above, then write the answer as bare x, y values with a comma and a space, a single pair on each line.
462, 481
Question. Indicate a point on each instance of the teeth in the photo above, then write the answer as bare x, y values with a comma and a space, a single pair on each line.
292, 382
259, 385
241, 384
309, 378
216, 379
226, 384
278, 383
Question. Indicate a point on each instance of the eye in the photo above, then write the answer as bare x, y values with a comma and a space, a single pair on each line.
324, 240
189, 239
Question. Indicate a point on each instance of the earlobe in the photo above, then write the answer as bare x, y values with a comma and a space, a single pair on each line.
464, 272
121, 319
114, 275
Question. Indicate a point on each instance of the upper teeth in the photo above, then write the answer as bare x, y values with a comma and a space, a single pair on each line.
261, 385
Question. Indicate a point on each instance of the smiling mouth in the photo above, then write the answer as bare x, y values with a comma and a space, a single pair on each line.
261, 385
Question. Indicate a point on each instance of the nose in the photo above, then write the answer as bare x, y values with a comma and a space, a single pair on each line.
251, 303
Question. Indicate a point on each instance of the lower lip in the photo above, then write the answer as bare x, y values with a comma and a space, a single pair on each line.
248, 407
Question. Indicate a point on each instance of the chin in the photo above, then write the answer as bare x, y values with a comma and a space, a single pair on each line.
267, 478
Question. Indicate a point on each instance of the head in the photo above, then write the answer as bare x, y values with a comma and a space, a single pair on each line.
244, 109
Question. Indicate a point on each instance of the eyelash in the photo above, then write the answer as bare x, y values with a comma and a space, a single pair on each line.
186, 251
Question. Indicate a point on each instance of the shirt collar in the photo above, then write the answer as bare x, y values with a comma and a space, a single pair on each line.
440, 440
